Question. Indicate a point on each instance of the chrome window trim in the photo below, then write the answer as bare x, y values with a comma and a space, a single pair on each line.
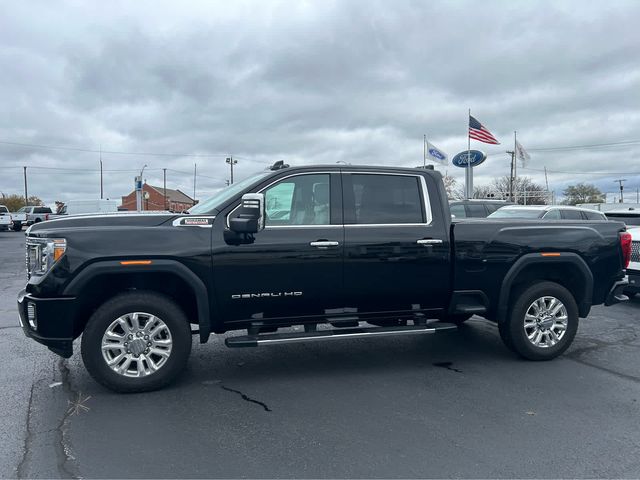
425, 201
423, 186
279, 180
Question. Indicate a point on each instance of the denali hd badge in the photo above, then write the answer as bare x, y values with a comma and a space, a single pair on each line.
243, 296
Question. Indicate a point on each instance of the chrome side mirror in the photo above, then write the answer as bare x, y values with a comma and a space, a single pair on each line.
250, 218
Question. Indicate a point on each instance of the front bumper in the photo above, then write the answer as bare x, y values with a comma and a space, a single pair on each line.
634, 282
48, 321
616, 293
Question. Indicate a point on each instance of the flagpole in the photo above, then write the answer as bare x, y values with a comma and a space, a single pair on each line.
424, 153
469, 172
515, 168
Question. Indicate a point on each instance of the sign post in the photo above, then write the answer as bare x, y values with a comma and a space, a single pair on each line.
467, 160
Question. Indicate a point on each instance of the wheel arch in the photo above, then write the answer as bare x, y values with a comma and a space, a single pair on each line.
564, 268
102, 280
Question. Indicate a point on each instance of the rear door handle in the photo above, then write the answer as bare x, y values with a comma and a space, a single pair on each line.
324, 244
429, 241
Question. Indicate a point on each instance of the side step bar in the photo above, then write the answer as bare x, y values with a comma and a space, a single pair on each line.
335, 334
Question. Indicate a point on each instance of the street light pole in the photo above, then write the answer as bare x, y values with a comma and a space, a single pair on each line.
139, 189
231, 163
101, 189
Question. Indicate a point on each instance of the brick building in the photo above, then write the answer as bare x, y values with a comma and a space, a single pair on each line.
176, 200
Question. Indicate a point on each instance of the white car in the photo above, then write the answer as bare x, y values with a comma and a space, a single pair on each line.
6, 222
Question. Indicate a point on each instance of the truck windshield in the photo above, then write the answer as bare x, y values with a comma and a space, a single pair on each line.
213, 203
516, 213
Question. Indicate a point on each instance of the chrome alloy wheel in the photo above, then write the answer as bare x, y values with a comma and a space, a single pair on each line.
545, 322
136, 344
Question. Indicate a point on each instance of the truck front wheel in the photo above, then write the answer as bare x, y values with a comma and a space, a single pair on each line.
542, 321
136, 342
17, 226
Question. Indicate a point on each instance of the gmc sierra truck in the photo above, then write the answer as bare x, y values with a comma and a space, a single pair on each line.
343, 251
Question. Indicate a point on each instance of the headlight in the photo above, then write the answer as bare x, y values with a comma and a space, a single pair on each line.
43, 253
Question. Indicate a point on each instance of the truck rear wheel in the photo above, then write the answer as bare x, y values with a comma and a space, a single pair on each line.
136, 342
542, 322
17, 226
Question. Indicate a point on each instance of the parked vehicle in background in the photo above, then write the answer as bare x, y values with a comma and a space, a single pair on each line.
81, 207
35, 214
6, 222
19, 219
547, 212
361, 252
628, 216
633, 270
473, 208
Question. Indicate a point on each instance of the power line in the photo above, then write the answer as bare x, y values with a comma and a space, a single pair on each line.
114, 152
580, 173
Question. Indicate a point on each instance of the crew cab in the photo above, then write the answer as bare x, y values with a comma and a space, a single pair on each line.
344, 251
35, 214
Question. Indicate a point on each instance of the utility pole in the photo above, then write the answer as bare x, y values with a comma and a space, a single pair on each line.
139, 189
101, 189
513, 161
195, 173
620, 181
231, 163
164, 175
26, 195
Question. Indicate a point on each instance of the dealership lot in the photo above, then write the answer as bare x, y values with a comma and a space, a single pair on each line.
456, 404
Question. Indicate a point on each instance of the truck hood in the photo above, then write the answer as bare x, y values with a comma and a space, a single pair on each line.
105, 220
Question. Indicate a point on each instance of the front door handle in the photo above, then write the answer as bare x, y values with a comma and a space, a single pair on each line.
324, 244
429, 241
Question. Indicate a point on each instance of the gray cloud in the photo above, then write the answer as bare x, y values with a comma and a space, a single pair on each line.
312, 82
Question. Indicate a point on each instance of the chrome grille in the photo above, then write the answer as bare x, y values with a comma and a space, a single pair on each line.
635, 251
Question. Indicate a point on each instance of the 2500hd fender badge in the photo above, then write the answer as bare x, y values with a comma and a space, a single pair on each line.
245, 296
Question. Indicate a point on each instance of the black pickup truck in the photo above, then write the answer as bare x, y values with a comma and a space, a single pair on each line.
344, 251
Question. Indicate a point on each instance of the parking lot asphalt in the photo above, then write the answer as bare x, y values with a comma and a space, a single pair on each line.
455, 404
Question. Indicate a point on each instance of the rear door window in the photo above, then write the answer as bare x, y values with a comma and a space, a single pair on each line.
475, 210
593, 216
386, 199
571, 214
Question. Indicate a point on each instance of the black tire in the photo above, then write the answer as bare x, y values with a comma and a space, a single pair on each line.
139, 301
17, 226
512, 330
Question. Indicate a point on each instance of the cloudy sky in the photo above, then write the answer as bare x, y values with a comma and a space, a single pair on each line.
312, 81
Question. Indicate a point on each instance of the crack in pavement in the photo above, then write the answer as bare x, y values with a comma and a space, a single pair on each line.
248, 399
446, 365
28, 438
10, 326
66, 465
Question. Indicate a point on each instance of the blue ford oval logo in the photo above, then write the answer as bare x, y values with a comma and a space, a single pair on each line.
436, 153
471, 157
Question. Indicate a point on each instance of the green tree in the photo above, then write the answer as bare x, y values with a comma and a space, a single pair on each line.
16, 202
582, 193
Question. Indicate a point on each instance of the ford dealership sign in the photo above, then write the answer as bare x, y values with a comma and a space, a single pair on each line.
472, 157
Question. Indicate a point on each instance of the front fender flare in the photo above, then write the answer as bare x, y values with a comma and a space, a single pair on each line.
166, 266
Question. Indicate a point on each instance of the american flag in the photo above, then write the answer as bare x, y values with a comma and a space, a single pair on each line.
478, 132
